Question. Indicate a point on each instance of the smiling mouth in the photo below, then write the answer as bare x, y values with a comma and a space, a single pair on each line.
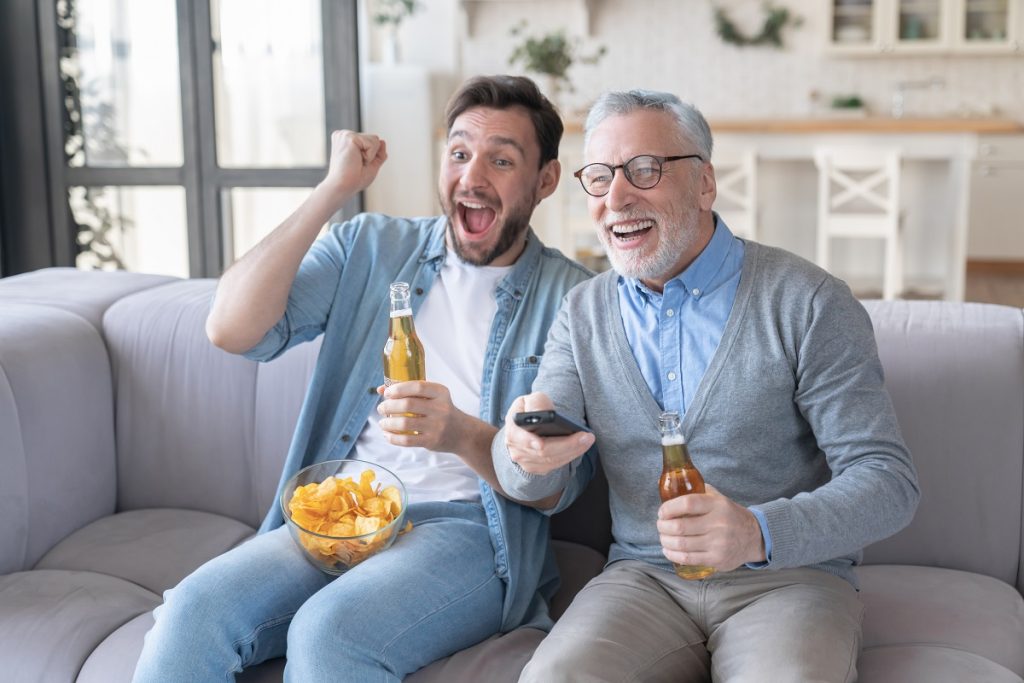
476, 218
624, 233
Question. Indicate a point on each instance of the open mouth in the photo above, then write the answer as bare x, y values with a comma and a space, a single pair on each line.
632, 231
476, 218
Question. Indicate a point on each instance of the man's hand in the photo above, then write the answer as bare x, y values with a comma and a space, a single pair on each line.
711, 530
355, 160
436, 423
536, 454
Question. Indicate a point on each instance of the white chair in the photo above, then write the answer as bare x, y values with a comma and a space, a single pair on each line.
859, 197
736, 179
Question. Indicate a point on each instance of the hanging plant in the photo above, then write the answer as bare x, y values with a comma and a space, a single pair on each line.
775, 20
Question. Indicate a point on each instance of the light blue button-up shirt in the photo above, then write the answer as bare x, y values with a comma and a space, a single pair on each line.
340, 292
675, 333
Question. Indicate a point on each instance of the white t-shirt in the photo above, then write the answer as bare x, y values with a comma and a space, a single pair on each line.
453, 323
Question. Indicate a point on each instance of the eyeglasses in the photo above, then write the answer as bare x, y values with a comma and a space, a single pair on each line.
643, 172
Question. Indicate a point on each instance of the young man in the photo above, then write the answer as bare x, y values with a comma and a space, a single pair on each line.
773, 365
484, 294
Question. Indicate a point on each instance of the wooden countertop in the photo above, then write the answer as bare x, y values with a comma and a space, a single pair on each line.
867, 124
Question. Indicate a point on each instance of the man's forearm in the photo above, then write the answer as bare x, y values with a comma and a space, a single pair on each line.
540, 491
252, 294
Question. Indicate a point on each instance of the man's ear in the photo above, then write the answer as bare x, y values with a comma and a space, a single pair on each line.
548, 180
708, 187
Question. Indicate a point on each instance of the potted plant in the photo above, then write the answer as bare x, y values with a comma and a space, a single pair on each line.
390, 14
551, 55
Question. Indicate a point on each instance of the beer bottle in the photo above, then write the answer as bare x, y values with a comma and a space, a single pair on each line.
679, 477
403, 351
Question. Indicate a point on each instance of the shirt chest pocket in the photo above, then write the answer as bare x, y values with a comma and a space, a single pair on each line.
515, 377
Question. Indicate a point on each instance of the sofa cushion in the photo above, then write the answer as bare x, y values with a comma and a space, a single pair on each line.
152, 548
87, 293
933, 608
56, 430
52, 620
930, 663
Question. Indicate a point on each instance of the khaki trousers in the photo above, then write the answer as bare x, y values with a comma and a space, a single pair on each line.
637, 622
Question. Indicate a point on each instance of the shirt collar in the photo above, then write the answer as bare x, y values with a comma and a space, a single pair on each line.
699, 275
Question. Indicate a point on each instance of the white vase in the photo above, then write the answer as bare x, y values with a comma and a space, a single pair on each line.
392, 48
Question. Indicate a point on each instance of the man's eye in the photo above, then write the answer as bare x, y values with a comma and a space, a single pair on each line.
644, 172
459, 155
504, 163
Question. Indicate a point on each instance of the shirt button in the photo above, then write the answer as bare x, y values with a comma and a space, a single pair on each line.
346, 438
672, 376
696, 291
670, 313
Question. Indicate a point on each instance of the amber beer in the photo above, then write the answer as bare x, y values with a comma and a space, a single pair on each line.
403, 352
679, 477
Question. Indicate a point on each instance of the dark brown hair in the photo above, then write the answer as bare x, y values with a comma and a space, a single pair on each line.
503, 92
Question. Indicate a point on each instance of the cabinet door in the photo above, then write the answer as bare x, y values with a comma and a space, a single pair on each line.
987, 26
915, 26
997, 211
855, 26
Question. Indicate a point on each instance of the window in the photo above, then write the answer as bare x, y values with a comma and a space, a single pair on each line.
177, 130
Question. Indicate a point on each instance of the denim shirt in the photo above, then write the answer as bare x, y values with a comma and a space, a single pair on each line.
341, 291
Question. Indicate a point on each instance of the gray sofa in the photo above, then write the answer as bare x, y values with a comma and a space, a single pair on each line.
131, 451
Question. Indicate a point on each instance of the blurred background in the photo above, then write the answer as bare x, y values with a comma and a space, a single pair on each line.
169, 136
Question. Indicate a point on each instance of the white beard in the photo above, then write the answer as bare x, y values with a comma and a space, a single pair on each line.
676, 235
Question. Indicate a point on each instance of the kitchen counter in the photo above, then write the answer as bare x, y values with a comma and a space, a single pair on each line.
867, 124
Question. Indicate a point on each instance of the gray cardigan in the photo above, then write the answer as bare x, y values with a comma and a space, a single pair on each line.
791, 417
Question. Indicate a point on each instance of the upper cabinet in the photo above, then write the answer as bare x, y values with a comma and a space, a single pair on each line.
873, 27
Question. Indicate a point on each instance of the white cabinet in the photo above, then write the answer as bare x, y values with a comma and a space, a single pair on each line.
996, 220
878, 27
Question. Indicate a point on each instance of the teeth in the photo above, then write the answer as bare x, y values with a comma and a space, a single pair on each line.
472, 205
632, 227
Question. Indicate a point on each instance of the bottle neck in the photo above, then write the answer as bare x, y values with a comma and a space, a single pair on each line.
674, 454
401, 325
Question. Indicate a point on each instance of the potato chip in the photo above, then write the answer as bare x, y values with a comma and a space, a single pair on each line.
342, 509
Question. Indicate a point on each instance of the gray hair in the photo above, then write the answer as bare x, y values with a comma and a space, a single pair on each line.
692, 125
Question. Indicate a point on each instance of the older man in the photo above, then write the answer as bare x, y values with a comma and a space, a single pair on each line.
773, 365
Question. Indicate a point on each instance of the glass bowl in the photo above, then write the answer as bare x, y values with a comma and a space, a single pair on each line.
317, 536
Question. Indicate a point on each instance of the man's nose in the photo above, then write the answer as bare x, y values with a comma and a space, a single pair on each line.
474, 174
621, 192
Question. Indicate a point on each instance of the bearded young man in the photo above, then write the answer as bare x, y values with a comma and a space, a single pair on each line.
772, 363
485, 291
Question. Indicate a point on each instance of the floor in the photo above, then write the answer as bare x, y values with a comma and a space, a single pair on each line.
995, 288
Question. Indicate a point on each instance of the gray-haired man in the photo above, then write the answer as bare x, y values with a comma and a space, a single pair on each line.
773, 364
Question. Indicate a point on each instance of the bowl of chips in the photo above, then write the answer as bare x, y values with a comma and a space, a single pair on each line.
341, 512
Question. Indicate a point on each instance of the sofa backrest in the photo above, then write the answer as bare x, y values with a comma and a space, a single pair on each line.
956, 376
56, 430
196, 427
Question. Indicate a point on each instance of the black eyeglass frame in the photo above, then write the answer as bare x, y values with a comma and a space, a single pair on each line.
661, 162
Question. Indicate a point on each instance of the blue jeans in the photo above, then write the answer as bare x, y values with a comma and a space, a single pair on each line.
434, 592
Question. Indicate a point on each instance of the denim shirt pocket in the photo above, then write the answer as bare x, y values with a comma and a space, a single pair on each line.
516, 378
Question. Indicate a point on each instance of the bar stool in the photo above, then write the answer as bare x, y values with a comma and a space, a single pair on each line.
736, 180
859, 197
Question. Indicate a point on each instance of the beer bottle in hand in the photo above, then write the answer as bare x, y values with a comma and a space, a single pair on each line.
679, 477
403, 351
